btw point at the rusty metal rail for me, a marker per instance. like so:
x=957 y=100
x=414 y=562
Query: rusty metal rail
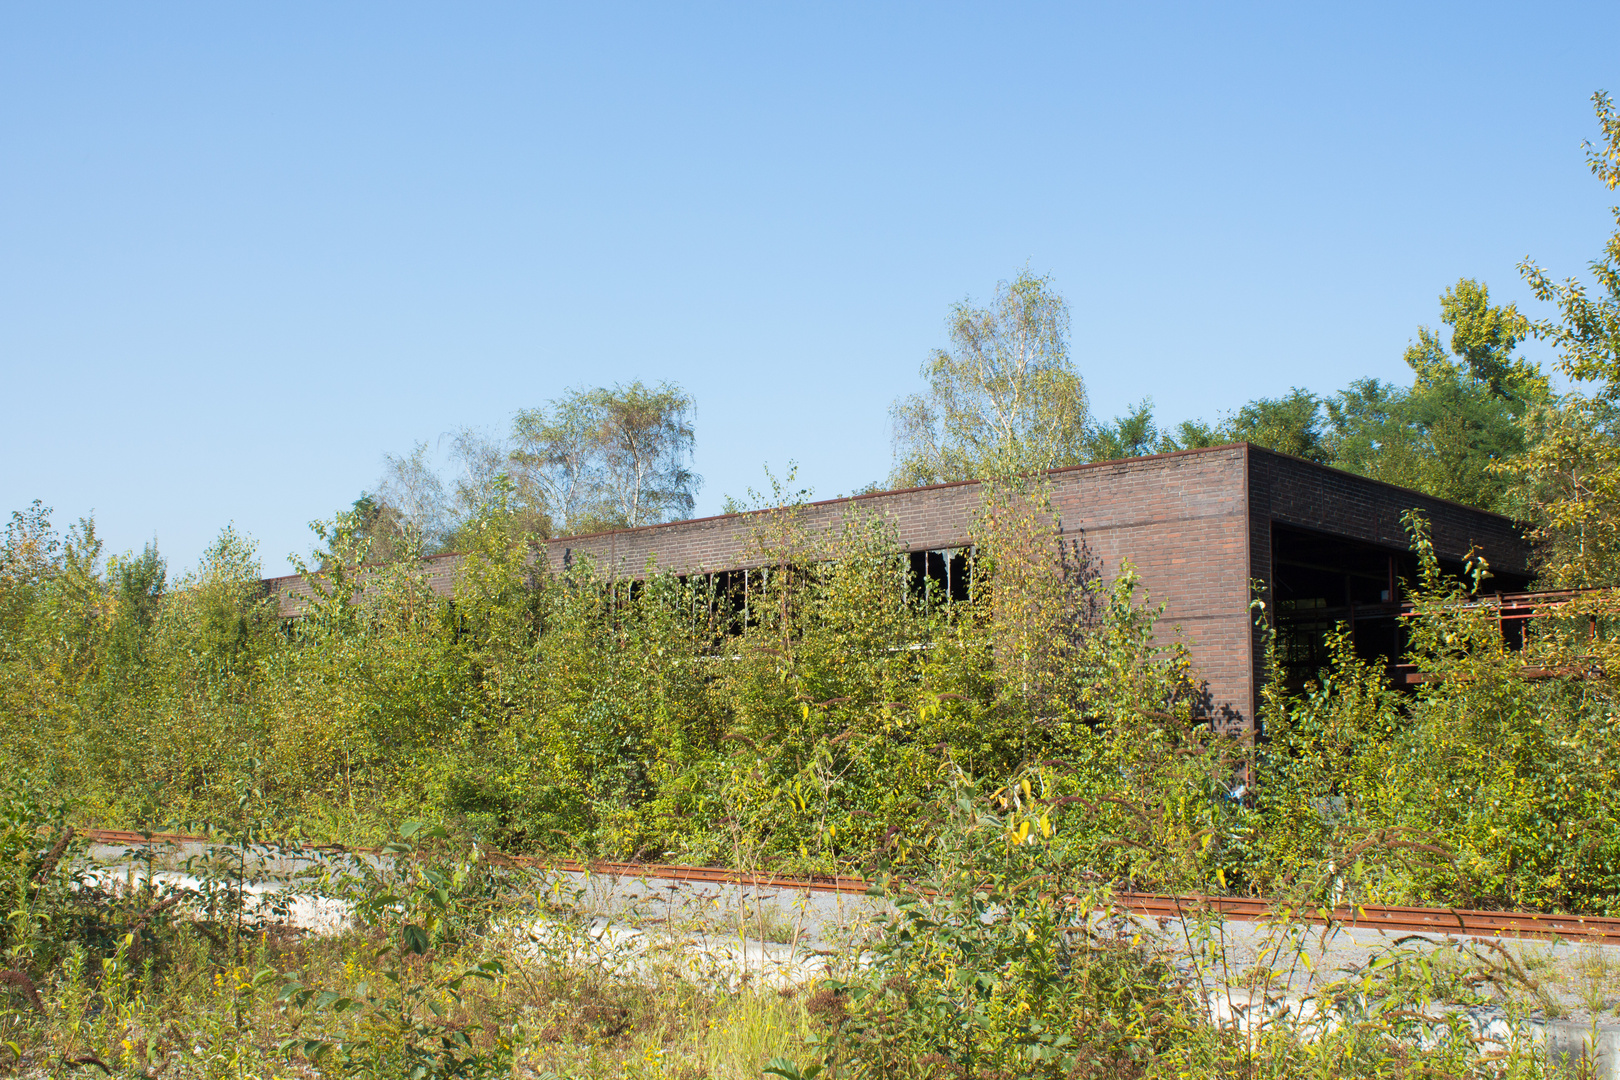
x=1455 y=922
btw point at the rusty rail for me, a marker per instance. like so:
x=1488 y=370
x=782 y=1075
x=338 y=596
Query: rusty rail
x=1455 y=922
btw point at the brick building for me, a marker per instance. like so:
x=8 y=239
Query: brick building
x=1199 y=526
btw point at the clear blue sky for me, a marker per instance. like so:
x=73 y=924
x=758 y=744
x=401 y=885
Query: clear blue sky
x=245 y=250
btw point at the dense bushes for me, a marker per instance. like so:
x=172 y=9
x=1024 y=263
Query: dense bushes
x=1485 y=789
x=809 y=724
x=1008 y=959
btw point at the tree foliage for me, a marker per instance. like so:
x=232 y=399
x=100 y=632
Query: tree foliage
x=608 y=458
x=592 y=459
x=806 y=716
x=1003 y=400
x=1134 y=434
x=1006 y=401
x=1567 y=482
x=1446 y=435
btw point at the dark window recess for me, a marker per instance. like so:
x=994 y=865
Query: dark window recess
x=941 y=575
x=722 y=598
x=1322 y=582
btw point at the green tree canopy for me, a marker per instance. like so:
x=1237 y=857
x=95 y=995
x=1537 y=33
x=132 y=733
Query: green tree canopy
x=1567 y=482
x=1289 y=425
x=608 y=458
x=1445 y=435
x=594 y=458
x=1133 y=435
x=1003 y=400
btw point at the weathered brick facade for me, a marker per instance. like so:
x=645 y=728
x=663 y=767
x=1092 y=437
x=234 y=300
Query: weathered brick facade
x=1196 y=524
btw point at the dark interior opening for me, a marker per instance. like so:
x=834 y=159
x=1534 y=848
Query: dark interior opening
x=1321 y=582
x=940 y=575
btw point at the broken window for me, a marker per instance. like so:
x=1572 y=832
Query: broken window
x=939 y=576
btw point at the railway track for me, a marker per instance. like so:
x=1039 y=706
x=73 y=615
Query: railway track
x=1456 y=922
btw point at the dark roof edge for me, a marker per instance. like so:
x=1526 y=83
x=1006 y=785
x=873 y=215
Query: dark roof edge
x=821 y=502
x=1248 y=448
x=894 y=491
x=1381 y=483
x=425 y=558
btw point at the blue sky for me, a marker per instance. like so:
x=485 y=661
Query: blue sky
x=246 y=250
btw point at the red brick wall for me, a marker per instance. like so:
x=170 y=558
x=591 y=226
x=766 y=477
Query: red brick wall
x=925 y=518
x=1179 y=519
x=1195 y=524
x=293 y=593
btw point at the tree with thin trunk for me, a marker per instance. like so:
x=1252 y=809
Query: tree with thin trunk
x=608 y=458
x=1003 y=400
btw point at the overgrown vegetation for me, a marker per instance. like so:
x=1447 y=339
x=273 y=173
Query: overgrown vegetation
x=1009 y=960
x=445 y=967
x=1001 y=957
x=995 y=760
x=805 y=722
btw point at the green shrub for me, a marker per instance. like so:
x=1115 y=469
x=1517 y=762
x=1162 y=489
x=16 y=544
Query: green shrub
x=808 y=718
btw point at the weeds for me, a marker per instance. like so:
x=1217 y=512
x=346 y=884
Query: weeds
x=1009 y=960
x=1005 y=958
x=1000 y=762
x=799 y=715
x=434 y=977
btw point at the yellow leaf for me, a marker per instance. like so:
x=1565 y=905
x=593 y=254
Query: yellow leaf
x=1220 y=876
x=1046 y=825
x=1023 y=832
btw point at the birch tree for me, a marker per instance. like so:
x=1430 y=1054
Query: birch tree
x=608 y=458
x=1003 y=400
